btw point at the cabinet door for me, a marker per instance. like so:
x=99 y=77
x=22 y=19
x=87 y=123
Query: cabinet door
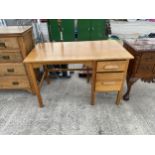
x=68 y=29
x=83 y=29
x=53 y=30
x=98 y=29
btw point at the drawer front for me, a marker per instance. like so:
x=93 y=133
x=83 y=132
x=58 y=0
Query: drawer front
x=10 y=57
x=148 y=58
x=14 y=82
x=12 y=69
x=111 y=66
x=109 y=81
x=9 y=43
x=145 y=70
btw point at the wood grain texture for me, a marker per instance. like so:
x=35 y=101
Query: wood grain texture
x=15 y=44
x=108 y=54
x=10 y=57
x=14 y=82
x=12 y=69
x=142 y=67
x=107 y=66
x=14 y=30
x=77 y=51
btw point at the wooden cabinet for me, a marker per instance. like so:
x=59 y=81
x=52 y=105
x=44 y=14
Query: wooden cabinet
x=15 y=44
x=143 y=66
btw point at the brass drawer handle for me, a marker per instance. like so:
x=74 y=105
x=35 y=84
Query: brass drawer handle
x=15 y=83
x=108 y=67
x=11 y=70
x=2 y=45
x=109 y=83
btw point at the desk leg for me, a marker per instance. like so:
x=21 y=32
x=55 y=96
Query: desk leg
x=34 y=82
x=119 y=97
x=120 y=92
x=93 y=93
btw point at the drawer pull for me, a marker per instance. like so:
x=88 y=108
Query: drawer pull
x=109 y=83
x=109 y=67
x=11 y=70
x=2 y=45
x=15 y=83
x=6 y=57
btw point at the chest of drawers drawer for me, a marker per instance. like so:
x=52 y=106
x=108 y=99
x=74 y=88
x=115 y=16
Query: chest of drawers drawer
x=9 y=43
x=109 y=81
x=148 y=57
x=107 y=66
x=14 y=82
x=10 y=56
x=12 y=69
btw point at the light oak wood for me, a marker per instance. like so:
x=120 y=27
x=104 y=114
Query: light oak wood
x=109 y=81
x=93 y=82
x=15 y=44
x=9 y=43
x=35 y=85
x=77 y=51
x=108 y=85
x=108 y=54
x=109 y=76
x=14 y=82
x=12 y=69
x=111 y=66
x=10 y=57
x=14 y=30
x=120 y=92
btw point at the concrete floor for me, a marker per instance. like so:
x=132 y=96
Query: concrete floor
x=67 y=104
x=68 y=111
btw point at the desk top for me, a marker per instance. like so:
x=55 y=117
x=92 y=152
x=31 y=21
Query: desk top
x=13 y=30
x=145 y=44
x=77 y=51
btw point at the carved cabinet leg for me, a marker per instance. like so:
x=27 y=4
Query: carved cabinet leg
x=130 y=82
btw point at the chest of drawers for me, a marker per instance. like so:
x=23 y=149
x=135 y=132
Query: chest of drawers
x=15 y=44
x=143 y=66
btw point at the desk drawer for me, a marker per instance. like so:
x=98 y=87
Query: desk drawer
x=10 y=57
x=9 y=43
x=109 y=81
x=12 y=69
x=14 y=82
x=111 y=66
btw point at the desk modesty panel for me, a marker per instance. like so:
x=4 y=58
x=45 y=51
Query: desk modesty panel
x=109 y=61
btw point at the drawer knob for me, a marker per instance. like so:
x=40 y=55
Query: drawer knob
x=15 y=83
x=108 y=67
x=11 y=70
x=2 y=45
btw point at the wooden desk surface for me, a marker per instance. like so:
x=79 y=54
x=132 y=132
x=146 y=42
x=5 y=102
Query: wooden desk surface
x=13 y=30
x=77 y=51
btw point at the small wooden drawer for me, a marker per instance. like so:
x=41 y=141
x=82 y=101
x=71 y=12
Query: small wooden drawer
x=14 y=82
x=109 y=81
x=111 y=66
x=12 y=69
x=9 y=43
x=10 y=57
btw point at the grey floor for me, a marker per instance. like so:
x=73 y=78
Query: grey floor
x=68 y=111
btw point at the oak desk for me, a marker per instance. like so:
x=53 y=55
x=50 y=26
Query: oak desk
x=108 y=58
